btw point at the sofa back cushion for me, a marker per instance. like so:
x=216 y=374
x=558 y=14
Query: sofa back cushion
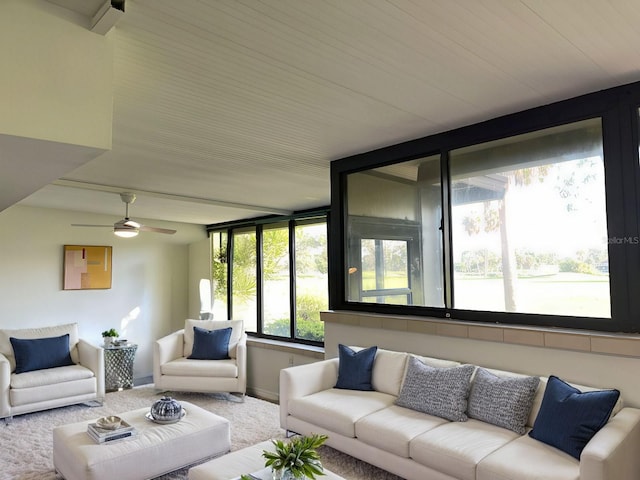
x=237 y=329
x=39 y=332
x=388 y=370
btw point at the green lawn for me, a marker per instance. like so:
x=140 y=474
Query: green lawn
x=572 y=294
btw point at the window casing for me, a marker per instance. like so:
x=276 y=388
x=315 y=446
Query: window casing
x=524 y=219
x=273 y=274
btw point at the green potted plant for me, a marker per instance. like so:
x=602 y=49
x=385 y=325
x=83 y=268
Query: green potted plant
x=108 y=336
x=296 y=458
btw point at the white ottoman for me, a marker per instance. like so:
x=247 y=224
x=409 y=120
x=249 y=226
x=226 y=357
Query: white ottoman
x=234 y=464
x=157 y=449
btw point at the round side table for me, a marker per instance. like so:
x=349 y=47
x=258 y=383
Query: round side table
x=118 y=366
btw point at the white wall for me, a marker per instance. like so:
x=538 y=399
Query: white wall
x=57 y=76
x=150 y=285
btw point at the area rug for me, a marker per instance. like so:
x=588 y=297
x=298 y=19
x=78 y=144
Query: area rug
x=26 y=442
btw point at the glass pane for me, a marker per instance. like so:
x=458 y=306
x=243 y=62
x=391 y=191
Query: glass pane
x=219 y=274
x=529 y=224
x=244 y=279
x=276 y=280
x=394 y=240
x=312 y=281
x=384 y=264
x=391 y=299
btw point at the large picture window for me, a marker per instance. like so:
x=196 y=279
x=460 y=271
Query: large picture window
x=272 y=274
x=529 y=224
x=529 y=219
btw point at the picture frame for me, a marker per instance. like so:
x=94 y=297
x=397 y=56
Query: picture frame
x=87 y=267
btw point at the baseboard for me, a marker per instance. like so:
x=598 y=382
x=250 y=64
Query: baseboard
x=143 y=381
x=263 y=394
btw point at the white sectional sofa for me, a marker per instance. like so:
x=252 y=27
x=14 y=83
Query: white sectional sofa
x=82 y=380
x=370 y=425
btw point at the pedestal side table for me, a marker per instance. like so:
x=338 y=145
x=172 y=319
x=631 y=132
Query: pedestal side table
x=118 y=366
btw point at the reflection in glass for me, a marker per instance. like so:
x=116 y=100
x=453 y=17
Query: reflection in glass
x=394 y=244
x=529 y=227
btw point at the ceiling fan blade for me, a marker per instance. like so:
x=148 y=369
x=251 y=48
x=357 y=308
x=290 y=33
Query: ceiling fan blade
x=144 y=228
x=86 y=225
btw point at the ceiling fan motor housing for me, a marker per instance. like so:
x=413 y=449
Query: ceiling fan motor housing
x=128 y=197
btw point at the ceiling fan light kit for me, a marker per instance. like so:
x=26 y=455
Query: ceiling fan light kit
x=125 y=232
x=127 y=228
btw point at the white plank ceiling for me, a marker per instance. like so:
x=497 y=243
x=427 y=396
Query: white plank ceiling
x=228 y=109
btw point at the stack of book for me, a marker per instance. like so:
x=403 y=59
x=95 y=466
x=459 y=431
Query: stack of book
x=103 y=435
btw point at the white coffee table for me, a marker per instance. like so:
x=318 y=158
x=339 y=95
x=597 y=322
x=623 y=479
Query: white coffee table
x=156 y=449
x=234 y=464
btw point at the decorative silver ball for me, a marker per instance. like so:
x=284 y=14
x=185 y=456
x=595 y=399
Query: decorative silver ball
x=166 y=409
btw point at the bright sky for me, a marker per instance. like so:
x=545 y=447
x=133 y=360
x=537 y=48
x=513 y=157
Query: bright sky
x=539 y=217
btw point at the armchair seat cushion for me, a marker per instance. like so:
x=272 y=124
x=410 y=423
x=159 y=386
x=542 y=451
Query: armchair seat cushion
x=50 y=376
x=200 y=368
x=81 y=390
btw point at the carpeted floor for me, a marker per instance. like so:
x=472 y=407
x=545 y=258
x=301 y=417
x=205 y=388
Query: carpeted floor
x=26 y=443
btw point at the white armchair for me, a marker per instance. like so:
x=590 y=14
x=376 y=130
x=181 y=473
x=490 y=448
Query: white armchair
x=47 y=388
x=174 y=371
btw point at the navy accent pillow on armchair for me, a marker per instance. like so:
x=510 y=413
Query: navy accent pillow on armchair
x=355 y=368
x=210 y=344
x=39 y=353
x=569 y=418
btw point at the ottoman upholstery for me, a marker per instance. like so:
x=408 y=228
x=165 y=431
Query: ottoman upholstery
x=157 y=449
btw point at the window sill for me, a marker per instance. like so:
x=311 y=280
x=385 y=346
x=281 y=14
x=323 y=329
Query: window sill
x=287 y=347
x=627 y=345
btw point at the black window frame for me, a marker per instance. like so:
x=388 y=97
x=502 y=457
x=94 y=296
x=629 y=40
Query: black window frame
x=321 y=214
x=618 y=109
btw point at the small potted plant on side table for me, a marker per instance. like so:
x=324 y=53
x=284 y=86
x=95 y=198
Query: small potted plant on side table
x=295 y=459
x=108 y=336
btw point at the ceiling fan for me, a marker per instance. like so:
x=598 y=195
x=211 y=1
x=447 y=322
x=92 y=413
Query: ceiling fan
x=126 y=227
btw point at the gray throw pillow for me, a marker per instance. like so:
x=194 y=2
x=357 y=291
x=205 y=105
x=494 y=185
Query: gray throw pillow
x=441 y=392
x=502 y=401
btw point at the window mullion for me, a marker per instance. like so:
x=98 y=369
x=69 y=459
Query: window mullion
x=445 y=227
x=259 y=279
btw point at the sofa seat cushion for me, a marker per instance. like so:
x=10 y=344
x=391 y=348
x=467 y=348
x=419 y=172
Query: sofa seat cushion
x=392 y=428
x=200 y=368
x=49 y=376
x=457 y=448
x=528 y=459
x=338 y=410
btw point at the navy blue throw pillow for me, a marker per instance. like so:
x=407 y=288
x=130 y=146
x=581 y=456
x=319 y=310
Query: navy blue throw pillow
x=38 y=353
x=210 y=344
x=569 y=418
x=355 y=368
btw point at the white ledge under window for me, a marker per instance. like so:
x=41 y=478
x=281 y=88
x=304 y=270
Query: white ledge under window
x=287 y=347
x=621 y=344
